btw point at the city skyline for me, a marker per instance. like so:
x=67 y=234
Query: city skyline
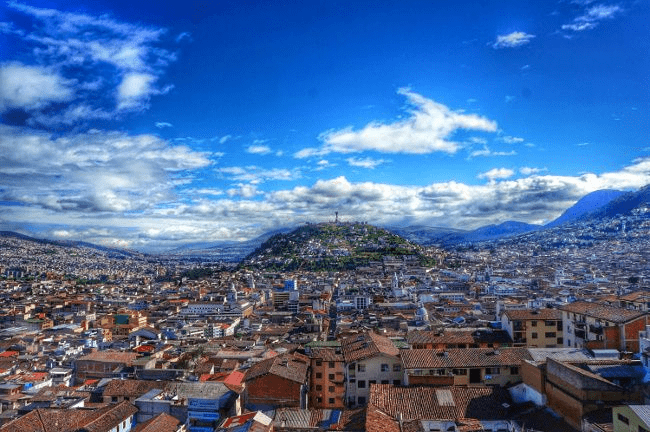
x=154 y=125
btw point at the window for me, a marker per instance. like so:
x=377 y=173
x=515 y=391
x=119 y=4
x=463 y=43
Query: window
x=622 y=418
x=384 y=367
x=397 y=367
x=319 y=399
x=514 y=370
x=330 y=376
x=319 y=375
x=361 y=384
x=361 y=400
x=549 y=323
x=361 y=367
x=397 y=382
x=319 y=387
x=459 y=371
x=492 y=371
x=550 y=334
x=319 y=362
x=351 y=366
x=560 y=341
x=533 y=323
x=331 y=401
x=332 y=389
x=331 y=365
x=533 y=335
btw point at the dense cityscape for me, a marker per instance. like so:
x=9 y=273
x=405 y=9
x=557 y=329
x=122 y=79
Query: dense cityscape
x=334 y=326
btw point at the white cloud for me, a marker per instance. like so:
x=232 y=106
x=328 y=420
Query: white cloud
x=533 y=199
x=225 y=139
x=162 y=125
x=426 y=130
x=255 y=174
x=512 y=40
x=486 y=152
x=32 y=87
x=368 y=162
x=260 y=149
x=592 y=16
x=91 y=172
x=497 y=174
x=109 y=66
x=531 y=170
x=511 y=139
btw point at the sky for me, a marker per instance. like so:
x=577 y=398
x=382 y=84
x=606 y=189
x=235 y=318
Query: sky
x=151 y=124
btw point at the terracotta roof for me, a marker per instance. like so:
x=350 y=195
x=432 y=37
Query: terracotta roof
x=534 y=314
x=366 y=345
x=131 y=388
x=608 y=313
x=110 y=357
x=444 y=403
x=163 y=422
x=290 y=366
x=378 y=421
x=463 y=357
x=327 y=354
x=55 y=420
x=636 y=296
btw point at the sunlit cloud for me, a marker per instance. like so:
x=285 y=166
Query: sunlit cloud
x=497 y=174
x=368 y=162
x=427 y=129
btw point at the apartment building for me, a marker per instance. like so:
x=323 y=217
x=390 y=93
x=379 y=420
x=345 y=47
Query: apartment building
x=536 y=328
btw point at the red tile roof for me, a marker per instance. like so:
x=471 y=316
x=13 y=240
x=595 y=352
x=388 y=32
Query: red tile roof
x=463 y=357
x=600 y=311
x=367 y=345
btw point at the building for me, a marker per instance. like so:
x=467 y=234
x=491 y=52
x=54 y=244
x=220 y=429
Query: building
x=103 y=364
x=464 y=366
x=536 y=328
x=280 y=381
x=369 y=359
x=598 y=326
x=458 y=338
x=327 y=378
x=628 y=418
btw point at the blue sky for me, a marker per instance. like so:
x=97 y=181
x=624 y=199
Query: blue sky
x=151 y=124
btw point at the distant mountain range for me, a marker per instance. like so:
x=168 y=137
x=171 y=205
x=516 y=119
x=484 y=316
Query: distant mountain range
x=595 y=206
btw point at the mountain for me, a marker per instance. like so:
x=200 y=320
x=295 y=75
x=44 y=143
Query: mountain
x=504 y=229
x=624 y=204
x=228 y=251
x=110 y=251
x=588 y=204
x=449 y=237
x=332 y=246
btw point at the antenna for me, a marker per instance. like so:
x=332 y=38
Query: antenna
x=336 y=220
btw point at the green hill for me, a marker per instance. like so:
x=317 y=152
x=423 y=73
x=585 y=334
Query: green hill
x=332 y=246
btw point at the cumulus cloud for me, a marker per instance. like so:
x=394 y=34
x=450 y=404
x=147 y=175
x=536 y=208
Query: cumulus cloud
x=32 y=87
x=162 y=125
x=428 y=129
x=368 y=162
x=109 y=66
x=497 y=174
x=512 y=40
x=91 y=172
x=244 y=211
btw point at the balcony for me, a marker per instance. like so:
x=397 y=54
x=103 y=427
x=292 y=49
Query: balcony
x=596 y=329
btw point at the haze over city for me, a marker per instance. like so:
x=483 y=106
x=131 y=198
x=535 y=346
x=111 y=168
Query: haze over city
x=148 y=125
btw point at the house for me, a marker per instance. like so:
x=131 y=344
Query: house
x=631 y=418
x=599 y=326
x=476 y=408
x=574 y=390
x=463 y=366
x=112 y=418
x=458 y=338
x=369 y=359
x=327 y=378
x=103 y=364
x=536 y=328
x=280 y=381
x=161 y=423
